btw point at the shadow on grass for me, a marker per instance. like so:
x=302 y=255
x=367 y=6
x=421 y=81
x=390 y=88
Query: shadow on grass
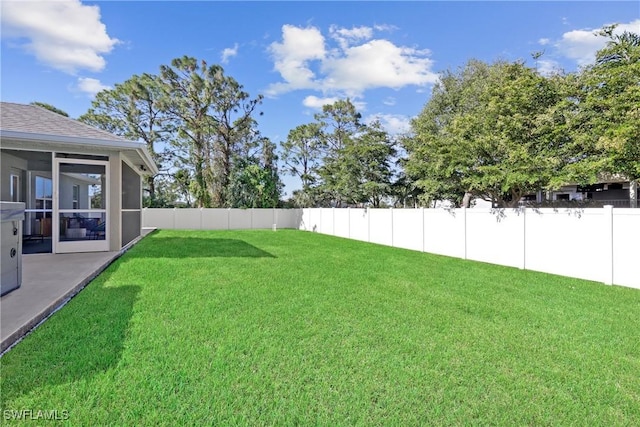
x=83 y=339
x=196 y=247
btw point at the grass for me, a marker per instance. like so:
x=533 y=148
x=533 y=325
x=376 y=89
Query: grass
x=295 y=328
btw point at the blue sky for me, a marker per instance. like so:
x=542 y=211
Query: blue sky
x=384 y=55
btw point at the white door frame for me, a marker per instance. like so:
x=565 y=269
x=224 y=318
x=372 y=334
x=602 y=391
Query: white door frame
x=83 y=245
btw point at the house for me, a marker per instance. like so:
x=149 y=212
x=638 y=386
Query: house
x=610 y=190
x=82 y=186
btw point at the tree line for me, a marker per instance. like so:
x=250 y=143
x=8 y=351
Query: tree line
x=496 y=131
x=501 y=131
x=200 y=128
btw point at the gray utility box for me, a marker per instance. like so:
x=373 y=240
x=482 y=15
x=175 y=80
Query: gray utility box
x=11 y=217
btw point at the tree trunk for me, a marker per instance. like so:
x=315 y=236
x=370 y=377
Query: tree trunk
x=151 y=184
x=466 y=200
x=633 y=193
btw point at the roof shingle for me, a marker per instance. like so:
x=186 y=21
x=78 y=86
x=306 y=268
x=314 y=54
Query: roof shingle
x=38 y=120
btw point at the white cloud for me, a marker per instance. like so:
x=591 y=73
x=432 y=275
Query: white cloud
x=64 y=34
x=544 y=41
x=356 y=64
x=395 y=124
x=346 y=37
x=229 y=53
x=91 y=86
x=390 y=101
x=385 y=27
x=377 y=63
x=317 y=103
x=582 y=45
x=291 y=57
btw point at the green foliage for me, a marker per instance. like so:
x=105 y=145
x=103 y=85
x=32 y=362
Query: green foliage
x=481 y=134
x=365 y=166
x=606 y=121
x=339 y=123
x=135 y=110
x=301 y=155
x=214 y=122
x=283 y=328
x=196 y=123
x=50 y=108
x=404 y=190
x=500 y=131
x=339 y=159
x=254 y=181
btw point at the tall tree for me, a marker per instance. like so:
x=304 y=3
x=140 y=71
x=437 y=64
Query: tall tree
x=365 y=173
x=135 y=110
x=606 y=119
x=479 y=135
x=254 y=182
x=215 y=121
x=339 y=123
x=301 y=155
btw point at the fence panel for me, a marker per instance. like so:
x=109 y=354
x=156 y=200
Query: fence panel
x=381 y=226
x=341 y=222
x=407 y=229
x=496 y=236
x=359 y=224
x=326 y=224
x=444 y=232
x=568 y=242
x=315 y=218
x=239 y=219
x=187 y=219
x=305 y=224
x=289 y=218
x=626 y=247
x=262 y=218
x=158 y=217
x=215 y=219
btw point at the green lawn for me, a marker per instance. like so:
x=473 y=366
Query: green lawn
x=295 y=328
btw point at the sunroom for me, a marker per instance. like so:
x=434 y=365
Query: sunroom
x=81 y=186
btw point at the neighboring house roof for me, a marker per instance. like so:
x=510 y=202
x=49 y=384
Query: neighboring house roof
x=31 y=123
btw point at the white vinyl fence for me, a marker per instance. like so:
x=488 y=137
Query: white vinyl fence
x=220 y=219
x=600 y=244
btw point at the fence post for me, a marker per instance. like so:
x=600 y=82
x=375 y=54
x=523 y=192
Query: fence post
x=391 y=226
x=524 y=238
x=608 y=244
x=349 y=222
x=422 y=217
x=275 y=219
x=333 y=221
x=174 y=218
x=368 y=210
